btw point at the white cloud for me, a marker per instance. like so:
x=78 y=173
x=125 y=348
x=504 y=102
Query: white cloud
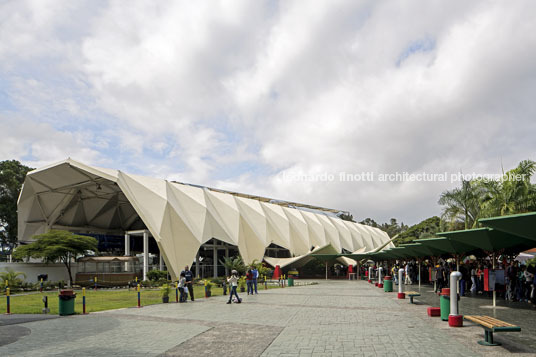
x=232 y=94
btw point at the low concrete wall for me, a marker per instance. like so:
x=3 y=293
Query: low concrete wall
x=55 y=272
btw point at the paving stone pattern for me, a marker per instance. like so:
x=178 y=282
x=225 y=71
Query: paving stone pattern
x=333 y=318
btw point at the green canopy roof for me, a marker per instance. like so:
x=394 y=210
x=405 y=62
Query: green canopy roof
x=422 y=250
x=523 y=225
x=447 y=245
x=490 y=240
x=327 y=257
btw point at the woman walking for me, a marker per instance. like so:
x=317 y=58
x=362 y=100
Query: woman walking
x=233 y=281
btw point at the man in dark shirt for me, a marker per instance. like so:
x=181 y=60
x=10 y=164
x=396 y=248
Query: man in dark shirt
x=189 y=281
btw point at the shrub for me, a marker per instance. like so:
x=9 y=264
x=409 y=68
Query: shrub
x=155 y=275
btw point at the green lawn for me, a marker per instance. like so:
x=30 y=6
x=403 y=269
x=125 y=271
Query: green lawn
x=100 y=300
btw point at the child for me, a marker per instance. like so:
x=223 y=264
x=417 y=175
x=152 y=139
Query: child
x=233 y=281
x=182 y=287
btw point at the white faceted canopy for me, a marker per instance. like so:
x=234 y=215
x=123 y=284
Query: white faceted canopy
x=74 y=196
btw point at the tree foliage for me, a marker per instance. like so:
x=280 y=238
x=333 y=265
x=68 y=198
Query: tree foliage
x=424 y=229
x=12 y=174
x=57 y=245
x=480 y=198
x=12 y=277
x=263 y=271
x=392 y=227
x=346 y=216
x=235 y=263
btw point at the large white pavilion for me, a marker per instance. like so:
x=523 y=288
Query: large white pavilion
x=180 y=217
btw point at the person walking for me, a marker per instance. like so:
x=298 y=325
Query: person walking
x=528 y=284
x=189 y=281
x=473 y=280
x=255 y=273
x=408 y=274
x=182 y=288
x=249 y=281
x=233 y=282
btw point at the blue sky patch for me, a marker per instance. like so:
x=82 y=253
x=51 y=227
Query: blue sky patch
x=426 y=44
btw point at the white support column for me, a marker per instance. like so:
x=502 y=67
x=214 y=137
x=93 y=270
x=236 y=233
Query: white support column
x=145 y=254
x=215 y=258
x=127 y=249
x=161 y=262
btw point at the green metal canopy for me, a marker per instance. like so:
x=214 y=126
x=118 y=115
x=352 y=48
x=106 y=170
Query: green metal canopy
x=422 y=250
x=402 y=252
x=523 y=225
x=447 y=245
x=490 y=240
x=327 y=257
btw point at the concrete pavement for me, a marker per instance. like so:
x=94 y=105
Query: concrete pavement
x=333 y=318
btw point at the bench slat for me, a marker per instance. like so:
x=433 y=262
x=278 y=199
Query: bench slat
x=492 y=323
x=496 y=322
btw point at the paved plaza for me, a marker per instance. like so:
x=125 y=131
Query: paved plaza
x=332 y=318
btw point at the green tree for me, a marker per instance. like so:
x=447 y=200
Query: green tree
x=57 y=245
x=345 y=216
x=12 y=174
x=260 y=267
x=462 y=204
x=370 y=222
x=513 y=194
x=12 y=277
x=234 y=263
x=480 y=198
x=424 y=229
x=393 y=227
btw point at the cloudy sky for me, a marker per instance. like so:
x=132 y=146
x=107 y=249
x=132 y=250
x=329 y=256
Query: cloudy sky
x=272 y=98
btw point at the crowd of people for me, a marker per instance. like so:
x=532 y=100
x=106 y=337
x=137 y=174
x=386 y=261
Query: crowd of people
x=514 y=281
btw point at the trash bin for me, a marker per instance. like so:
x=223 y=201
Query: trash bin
x=444 y=304
x=66 y=302
x=388 y=284
x=290 y=280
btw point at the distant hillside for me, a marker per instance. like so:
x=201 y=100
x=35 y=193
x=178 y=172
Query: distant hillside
x=425 y=229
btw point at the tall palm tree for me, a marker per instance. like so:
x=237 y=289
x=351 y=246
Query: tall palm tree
x=513 y=194
x=462 y=204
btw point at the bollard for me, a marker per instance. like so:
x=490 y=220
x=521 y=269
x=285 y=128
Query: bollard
x=401 y=294
x=380 y=282
x=84 y=301
x=370 y=274
x=176 y=292
x=455 y=320
x=95 y=283
x=8 y=308
x=45 y=310
x=139 y=296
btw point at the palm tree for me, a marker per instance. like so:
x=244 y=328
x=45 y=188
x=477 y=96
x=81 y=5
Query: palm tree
x=462 y=204
x=513 y=194
x=234 y=263
x=12 y=277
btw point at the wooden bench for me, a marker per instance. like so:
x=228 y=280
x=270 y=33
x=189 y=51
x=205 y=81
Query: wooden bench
x=490 y=326
x=412 y=294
